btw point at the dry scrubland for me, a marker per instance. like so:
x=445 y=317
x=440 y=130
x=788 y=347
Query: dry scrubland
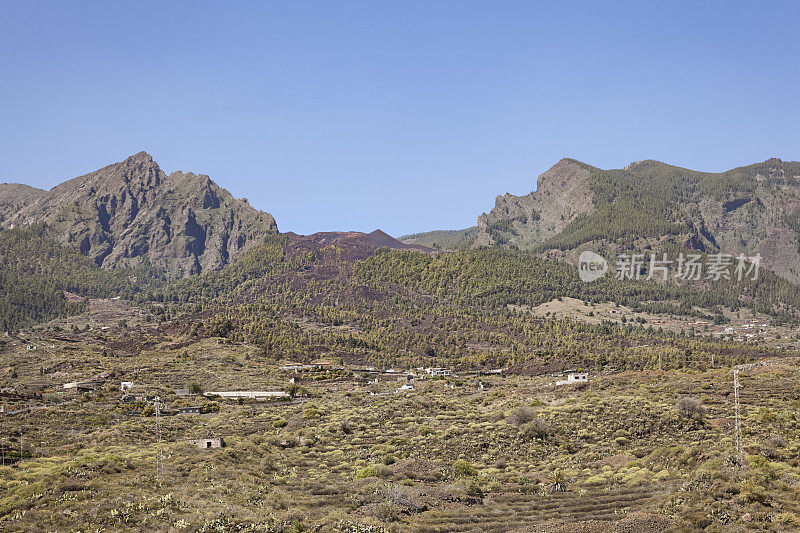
x=616 y=455
x=636 y=450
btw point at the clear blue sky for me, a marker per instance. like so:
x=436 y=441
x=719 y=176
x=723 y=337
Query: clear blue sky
x=406 y=116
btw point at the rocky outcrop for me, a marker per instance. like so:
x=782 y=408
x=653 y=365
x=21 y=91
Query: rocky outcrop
x=132 y=214
x=14 y=197
x=562 y=193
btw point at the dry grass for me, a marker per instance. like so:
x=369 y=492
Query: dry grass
x=438 y=459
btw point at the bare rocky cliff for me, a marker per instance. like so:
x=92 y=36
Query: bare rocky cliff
x=14 y=197
x=562 y=193
x=132 y=214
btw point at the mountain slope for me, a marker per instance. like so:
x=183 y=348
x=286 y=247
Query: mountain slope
x=356 y=239
x=131 y=214
x=14 y=197
x=447 y=239
x=752 y=209
x=35 y=272
x=563 y=193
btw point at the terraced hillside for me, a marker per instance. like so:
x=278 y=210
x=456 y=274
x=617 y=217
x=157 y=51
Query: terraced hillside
x=469 y=452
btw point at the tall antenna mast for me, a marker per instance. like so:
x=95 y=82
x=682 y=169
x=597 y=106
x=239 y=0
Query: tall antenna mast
x=739 y=454
x=159 y=454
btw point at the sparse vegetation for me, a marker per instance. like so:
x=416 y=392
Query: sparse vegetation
x=691 y=408
x=492 y=446
x=520 y=452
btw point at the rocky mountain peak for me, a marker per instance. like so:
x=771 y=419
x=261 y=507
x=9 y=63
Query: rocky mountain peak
x=567 y=172
x=562 y=193
x=141 y=156
x=133 y=214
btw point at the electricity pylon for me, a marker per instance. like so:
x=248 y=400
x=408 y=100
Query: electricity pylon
x=159 y=453
x=739 y=454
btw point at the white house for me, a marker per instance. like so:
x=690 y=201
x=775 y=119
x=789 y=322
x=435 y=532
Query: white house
x=255 y=395
x=574 y=377
x=408 y=387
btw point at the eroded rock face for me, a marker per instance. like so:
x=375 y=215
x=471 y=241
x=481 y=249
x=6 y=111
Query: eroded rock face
x=132 y=214
x=15 y=196
x=562 y=193
x=748 y=210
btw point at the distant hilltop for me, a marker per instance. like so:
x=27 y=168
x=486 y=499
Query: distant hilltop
x=752 y=210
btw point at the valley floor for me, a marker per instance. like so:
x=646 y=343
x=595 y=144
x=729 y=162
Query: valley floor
x=350 y=454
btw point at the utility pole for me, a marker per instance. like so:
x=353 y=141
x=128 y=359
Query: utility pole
x=159 y=454
x=739 y=454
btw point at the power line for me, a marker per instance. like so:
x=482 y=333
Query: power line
x=159 y=453
x=739 y=454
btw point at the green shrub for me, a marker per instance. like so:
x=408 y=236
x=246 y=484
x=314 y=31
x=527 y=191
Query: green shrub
x=536 y=429
x=521 y=416
x=462 y=468
x=691 y=408
x=367 y=471
x=595 y=480
x=311 y=411
x=789 y=518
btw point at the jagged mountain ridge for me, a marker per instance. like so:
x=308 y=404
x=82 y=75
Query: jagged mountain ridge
x=751 y=209
x=132 y=214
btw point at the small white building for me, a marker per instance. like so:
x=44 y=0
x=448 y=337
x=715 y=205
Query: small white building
x=92 y=384
x=574 y=377
x=438 y=371
x=125 y=385
x=408 y=387
x=254 y=395
x=206 y=444
x=315 y=366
